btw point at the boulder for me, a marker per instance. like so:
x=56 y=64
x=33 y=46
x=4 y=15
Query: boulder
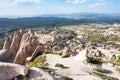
x=9 y=71
x=5 y=56
x=39 y=74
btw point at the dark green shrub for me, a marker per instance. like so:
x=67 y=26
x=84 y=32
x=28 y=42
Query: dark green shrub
x=63 y=77
x=59 y=65
x=64 y=56
x=49 y=70
x=118 y=59
x=58 y=53
x=99 y=69
x=66 y=77
x=94 y=60
x=103 y=76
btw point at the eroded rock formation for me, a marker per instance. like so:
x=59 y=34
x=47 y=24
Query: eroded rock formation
x=27 y=46
x=22 y=44
x=35 y=53
x=8 y=42
x=16 y=42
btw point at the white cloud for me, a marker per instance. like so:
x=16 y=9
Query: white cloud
x=13 y=2
x=26 y=1
x=99 y=3
x=79 y=1
x=68 y=1
x=75 y=1
x=5 y=3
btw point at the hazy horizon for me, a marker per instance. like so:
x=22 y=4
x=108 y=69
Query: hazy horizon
x=32 y=8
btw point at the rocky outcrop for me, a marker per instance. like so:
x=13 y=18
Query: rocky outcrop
x=8 y=42
x=9 y=71
x=44 y=38
x=93 y=52
x=27 y=46
x=16 y=42
x=22 y=44
x=5 y=56
x=12 y=44
x=67 y=52
x=39 y=74
x=38 y=51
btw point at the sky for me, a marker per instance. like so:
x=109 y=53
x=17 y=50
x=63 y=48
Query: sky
x=27 y=8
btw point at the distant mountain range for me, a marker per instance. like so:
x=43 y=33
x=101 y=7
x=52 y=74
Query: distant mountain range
x=84 y=16
x=56 y=20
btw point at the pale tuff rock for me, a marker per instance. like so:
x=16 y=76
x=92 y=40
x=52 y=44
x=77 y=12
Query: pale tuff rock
x=39 y=74
x=8 y=42
x=9 y=71
x=67 y=52
x=22 y=44
x=4 y=56
x=111 y=31
x=37 y=51
x=27 y=47
x=44 y=39
x=12 y=44
x=16 y=42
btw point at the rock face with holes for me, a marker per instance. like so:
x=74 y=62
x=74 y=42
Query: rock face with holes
x=9 y=71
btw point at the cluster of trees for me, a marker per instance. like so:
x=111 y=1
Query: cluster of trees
x=49 y=22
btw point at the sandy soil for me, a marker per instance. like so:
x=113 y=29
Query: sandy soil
x=75 y=68
x=111 y=71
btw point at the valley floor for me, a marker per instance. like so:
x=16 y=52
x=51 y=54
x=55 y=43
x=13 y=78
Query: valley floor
x=76 y=69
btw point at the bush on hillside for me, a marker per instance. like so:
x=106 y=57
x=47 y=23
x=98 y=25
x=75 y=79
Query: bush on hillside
x=37 y=62
x=59 y=65
x=94 y=60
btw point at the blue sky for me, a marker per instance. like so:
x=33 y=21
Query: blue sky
x=22 y=8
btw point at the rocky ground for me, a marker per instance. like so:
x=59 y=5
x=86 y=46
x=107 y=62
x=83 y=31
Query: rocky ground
x=61 y=54
x=73 y=68
x=76 y=68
